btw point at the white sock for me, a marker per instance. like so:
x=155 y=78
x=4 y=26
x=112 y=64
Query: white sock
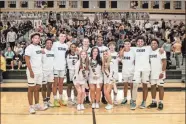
x=115 y=97
x=154 y=100
x=60 y=96
x=134 y=91
x=69 y=99
x=55 y=97
x=75 y=98
x=125 y=98
x=161 y=101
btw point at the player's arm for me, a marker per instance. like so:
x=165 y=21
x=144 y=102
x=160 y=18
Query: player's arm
x=28 y=51
x=164 y=65
x=27 y=59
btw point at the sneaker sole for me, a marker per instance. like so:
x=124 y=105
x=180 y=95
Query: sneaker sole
x=133 y=108
x=141 y=107
x=32 y=112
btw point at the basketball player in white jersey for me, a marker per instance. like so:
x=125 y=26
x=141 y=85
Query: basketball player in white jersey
x=158 y=67
x=85 y=46
x=114 y=57
x=95 y=77
x=33 y=58
x=48 y=75
x=59 y=48
x=71 y=58
x=141 y=71
x=102 y=48
x=100 y=45
x=127 y=59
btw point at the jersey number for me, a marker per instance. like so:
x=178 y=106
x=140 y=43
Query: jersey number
x=73 y=62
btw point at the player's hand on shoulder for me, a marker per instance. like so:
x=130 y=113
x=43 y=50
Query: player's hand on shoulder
x=42 y=51
x=161 y=50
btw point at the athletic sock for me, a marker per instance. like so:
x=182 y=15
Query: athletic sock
x=115 y=97
x=55 y=97
x=153 y=100
x=69 y=99
x=160 y=101
x=60 y=96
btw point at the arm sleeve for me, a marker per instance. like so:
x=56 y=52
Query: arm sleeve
x=163 y=56
x=28 y=51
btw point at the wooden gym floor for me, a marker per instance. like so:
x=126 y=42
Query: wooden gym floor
x=14 y=110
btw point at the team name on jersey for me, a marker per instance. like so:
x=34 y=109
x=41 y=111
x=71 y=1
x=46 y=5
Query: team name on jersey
x=126 y=57
x=140 y=50
x=61 y=48
x=114 y=57
x=73 y=57
x=49 y=55
x=153 y=56
x=38 y=52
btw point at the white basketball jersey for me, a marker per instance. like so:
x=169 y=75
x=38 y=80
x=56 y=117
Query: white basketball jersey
x=88 y=51
x=59 y=55
x=128 y=63
x=71 y=61
x=156 y=63
x=142 y=58
x=48 y=60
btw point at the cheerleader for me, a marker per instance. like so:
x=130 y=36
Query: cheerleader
x=95 y=77
x=80 y=78
x=109 y=73
x=114 y=57
x=86 y=47
x=71 y=58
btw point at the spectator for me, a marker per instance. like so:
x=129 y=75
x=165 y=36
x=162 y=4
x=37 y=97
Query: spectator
x=183 y=50
x=2 y=67
x=120 y=41
x=177 y=51
x=148 y=26
x=9 y=54
x=16 y=61
x=18 y=49
x=167 y=47
x=11 y=38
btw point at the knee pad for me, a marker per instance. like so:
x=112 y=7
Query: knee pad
x=135 y=86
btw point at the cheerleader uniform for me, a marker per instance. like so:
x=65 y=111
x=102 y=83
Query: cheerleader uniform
x=110 y=74
x=95 y=71
x=81 y=75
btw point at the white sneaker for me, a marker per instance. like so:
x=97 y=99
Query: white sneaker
x=37 y=107
x=93 y=105
x=32 y=111
x=50 y=104
x=78 y=107
x=97 y=105
x=45 y=105
x=82 y=107
x=75 y=101
x=108 y=107
x=70 y=102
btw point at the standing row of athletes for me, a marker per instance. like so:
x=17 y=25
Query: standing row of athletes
x=93 y=69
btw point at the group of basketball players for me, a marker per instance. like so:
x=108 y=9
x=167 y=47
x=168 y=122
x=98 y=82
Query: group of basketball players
x=94 y=70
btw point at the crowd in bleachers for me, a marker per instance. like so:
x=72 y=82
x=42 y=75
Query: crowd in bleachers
x=171 y=34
